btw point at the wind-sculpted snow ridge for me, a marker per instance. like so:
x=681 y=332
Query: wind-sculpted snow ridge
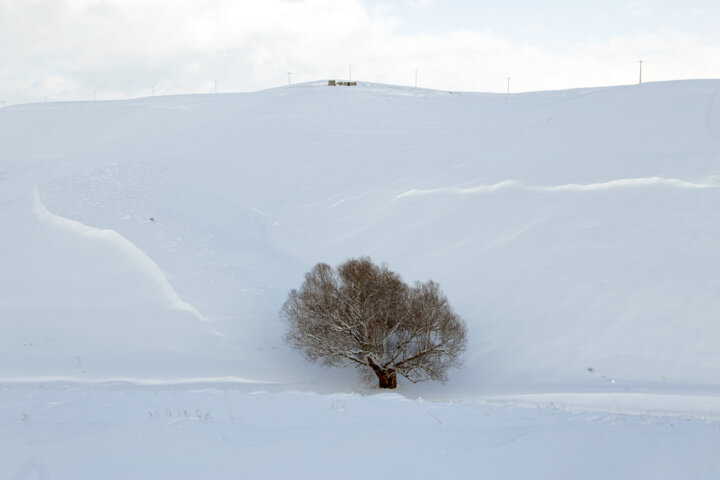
x=138 y=381
x=117 y=241
x=568 y=187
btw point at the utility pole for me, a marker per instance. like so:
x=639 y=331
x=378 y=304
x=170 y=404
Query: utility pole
x=641 y=62
x=289 y=81
x=350 y=73
x=416 y=78
x=507 y=99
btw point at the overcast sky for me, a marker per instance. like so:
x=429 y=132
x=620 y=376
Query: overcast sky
x=68 y=49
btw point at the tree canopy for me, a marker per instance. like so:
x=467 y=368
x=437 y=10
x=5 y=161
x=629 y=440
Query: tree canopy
x=364 y=315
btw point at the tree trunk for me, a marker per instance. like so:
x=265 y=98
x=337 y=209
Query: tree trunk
x=386 y=376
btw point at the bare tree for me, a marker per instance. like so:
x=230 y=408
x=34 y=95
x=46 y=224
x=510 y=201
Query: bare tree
x=364 y=315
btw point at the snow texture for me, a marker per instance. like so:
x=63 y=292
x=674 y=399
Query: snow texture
x=146 y=247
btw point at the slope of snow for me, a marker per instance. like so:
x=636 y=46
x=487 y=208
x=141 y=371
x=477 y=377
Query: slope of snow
x=154 y=241
x=573 y=230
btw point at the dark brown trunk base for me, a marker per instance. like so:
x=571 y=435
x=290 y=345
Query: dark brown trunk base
x=386 y=376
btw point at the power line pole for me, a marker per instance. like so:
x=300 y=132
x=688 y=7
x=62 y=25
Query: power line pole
x=641 y=62
x=507 y=99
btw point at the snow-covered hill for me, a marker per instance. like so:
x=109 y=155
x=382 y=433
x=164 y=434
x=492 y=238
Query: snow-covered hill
x=153 y=241
x=573 y=230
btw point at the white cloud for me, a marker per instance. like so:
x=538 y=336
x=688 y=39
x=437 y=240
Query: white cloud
x=419 y=3
x=638 y=8
x=66 y=49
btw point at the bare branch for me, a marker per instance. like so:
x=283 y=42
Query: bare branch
x=366 y=315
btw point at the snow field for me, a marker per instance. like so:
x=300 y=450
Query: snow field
x=146 y=247
x=63 y=431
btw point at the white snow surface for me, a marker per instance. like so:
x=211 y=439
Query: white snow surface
x=146 y=247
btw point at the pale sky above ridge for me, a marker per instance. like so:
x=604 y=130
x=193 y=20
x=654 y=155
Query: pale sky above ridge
x=108 y=49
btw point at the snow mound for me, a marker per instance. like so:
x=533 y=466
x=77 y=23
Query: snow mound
x=88 y=239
